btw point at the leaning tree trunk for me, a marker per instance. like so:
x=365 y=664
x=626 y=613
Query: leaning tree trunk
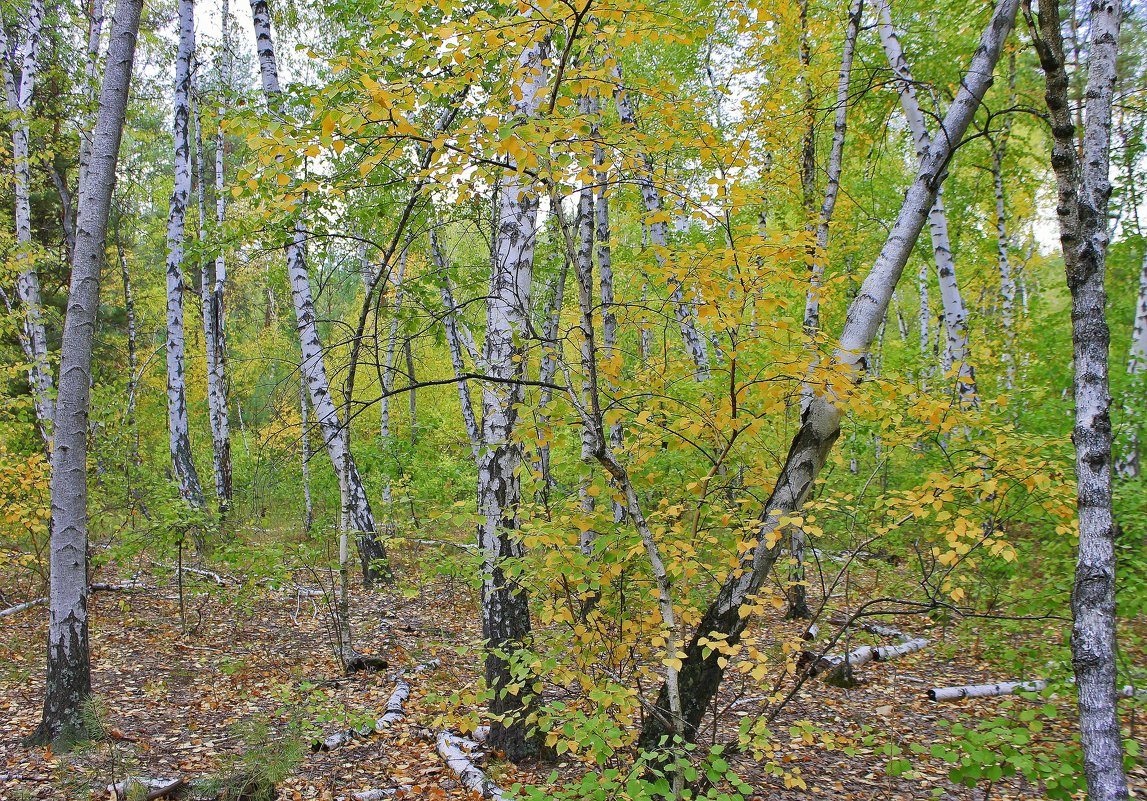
x=1128 y=465
x=355 y=502
x=659 y=240
x=505 y=603
x=1083 y=188
x=955 y=312
x=178 y=436
x=69 y=671
x=725 y=620
x=33 y=338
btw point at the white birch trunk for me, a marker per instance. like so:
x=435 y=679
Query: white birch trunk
x=659 y=241
x=955 y=312
x=1128 y=464
x=1007 y=279
x=214 y=318
x=455 y=342
x=305 y=443
x=355 y=503
x=820 y=425
x=178 y=436
x=388 y=374
x=19 y=83
x=505 y=607
x=69 y=675
x=1084 y=188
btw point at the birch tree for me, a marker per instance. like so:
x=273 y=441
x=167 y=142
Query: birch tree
x=724 y=620
x=69 y=669
x=19 y=75
x=798 y=600
x=505 y=604
x=1128 y=466
x=213 y=284
x=658 y=227
x=1084 y=187
x=955 y=312
x=356 y=510
x=178 y=435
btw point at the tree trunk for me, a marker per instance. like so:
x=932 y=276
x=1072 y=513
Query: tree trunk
x=551 y=353
x=955 y=313
x=214 y=320
x=702 y=672
x=179 y=439
x=505 y=604
x=798 y=592
x=1128 y=465
x=1083 y=190
x=454 y=339
x=359 y=516
x=659 y=241
x=388 y=380
x=69 y=678
x=33 y=338
x=305 y=444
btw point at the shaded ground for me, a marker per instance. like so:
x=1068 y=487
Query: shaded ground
x=188 y=704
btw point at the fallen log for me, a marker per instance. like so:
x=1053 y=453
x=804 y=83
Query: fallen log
x=455 y=752
x=12 y=610
x=395 y=706
x=1011 y=687
x=395 y=711
x=879 y=629
x=153 y=789
x=884 y=653
x=97 y=586
x=380 y=795
x=985 y=690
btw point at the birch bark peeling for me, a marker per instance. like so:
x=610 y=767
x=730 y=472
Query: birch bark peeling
x=69 y=671
x=1084 y=187
x=505 y=603
x=356 y=505
x=820 y=423
x=178 y=435
x=955 y=312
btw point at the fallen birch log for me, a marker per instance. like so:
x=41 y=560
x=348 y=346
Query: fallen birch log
x=456 y=753
x=884 y=653
x=153 y=789
x=12 y=610
x=879 y=629
x=985 y=690
x=98 y=586
x=395 y=711
x=379 y=795
x=1009 y=688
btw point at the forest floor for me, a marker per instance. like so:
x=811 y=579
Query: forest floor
x=175 y=703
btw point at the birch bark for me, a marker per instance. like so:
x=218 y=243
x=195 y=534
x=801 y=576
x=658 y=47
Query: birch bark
x=214 y=318
x=701 y=672
x=69 y=671
x=505 y=604
x=1128 y=466
x=356 y=505
x=955 y=312
x=798 y=594
x=178 y=436
x=659 y=240
x=1084 y=187
x=454 y=339
x=19 y=83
